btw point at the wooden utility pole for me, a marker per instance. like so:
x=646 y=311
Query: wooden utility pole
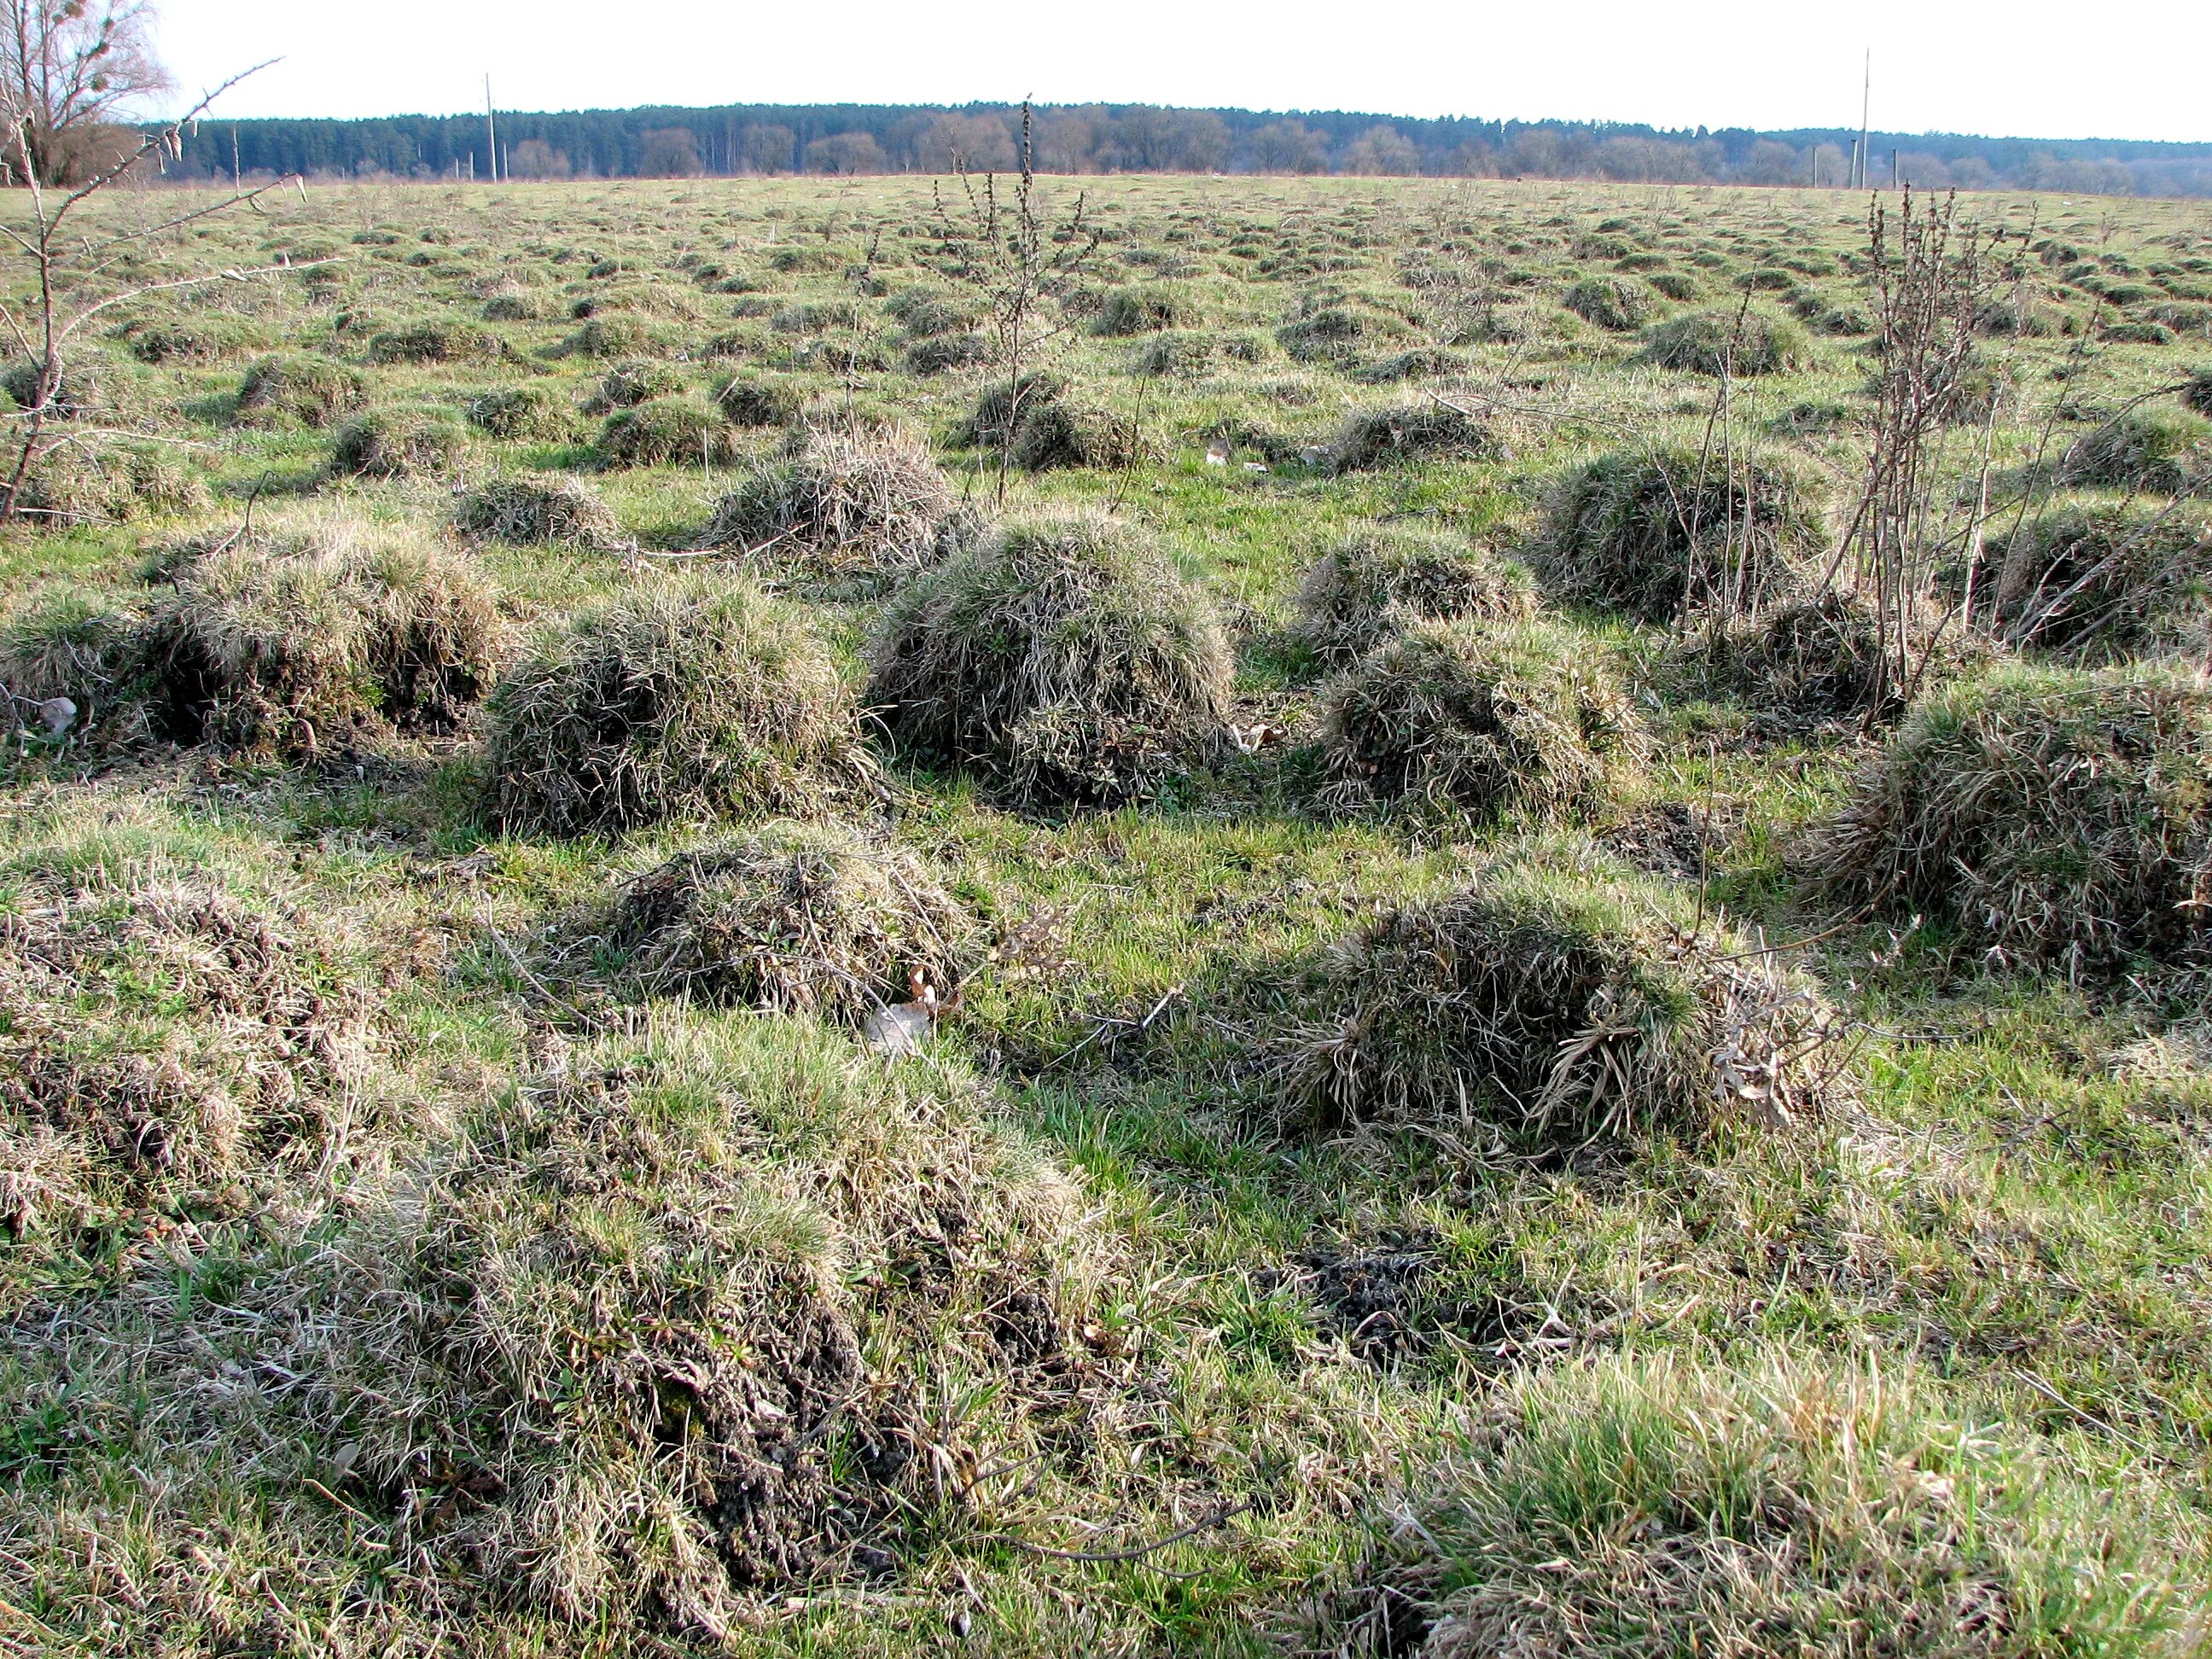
x=491 y=131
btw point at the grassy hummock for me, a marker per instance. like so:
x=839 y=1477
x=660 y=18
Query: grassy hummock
x=1064 y=659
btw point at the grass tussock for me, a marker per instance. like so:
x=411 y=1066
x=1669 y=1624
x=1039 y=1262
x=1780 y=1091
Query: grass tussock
x=1815 y=660
x=1428 y=430
x=866 y=501
x=1063 y=659
x=81 y=482
x=531 y=509
x=679 y=431
x=673 y=1335
x=2089 y=581
x=396 y=443
x=1619 y=304
x=1640 y=1508
x=685 y=700
x=1377 y=580
x=1041 y=429
x=1653 y=532
x=1721 y=342
x=170 y=1045
x=793 y=920
x=1548 y=1005
x=528 y=413
x=1482 y=719
x=2054 y=818
x=313 y=391
x=314 y=635
x=75 y=645
x=2159 y=451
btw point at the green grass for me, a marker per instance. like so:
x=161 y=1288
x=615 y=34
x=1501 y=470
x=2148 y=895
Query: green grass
x=1280 y=1339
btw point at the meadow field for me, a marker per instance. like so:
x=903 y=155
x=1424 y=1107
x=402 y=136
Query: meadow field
x=752 y=916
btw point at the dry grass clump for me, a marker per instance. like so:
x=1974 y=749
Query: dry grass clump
x=81 y=482
x=525 y=412
x=1646 y=1507
x=168 y=1044
x=2159 y=450
x=81 y=391
x=869 y=500
x=1812 y=660
x=1043 y=429
x=74 y=644
x=761 y=400
x=1714 y=342
x=1065 y=434
x=682 y=700
x=2054 y=817
x=1376 y=578
x=628 y=384
x=302 y=636
x=1126 y=310
x=434 y=340
x=539 y=508
x=680 y=431
x=1653 y=532
x=667 y=1346
x=2091 y=581
x=1430 y=430
x=1616 y=303
x=313 y=391
x=207 y=339
x=396 y=443
x=2197 y=391
x=1480 y=719
x=793 y=920
x=1064 y=659
x=1556 y=1004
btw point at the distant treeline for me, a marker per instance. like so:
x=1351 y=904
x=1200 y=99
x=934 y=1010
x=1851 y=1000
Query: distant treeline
x=852 y=138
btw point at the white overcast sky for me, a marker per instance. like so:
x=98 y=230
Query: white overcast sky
x=2034 y=67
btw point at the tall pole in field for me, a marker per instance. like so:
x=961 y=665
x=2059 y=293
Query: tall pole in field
x=1866 y=106
x=491 y=131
